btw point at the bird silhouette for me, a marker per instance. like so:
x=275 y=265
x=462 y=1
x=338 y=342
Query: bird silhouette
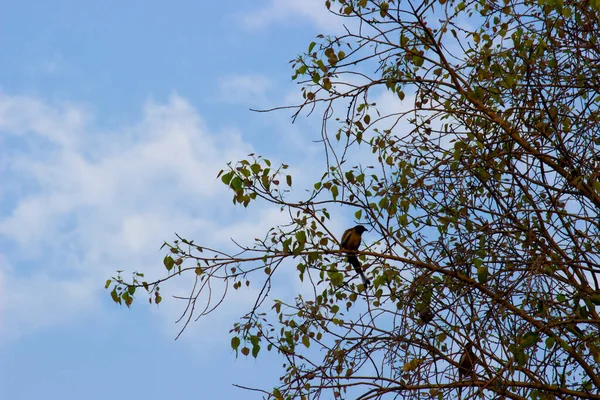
x=350 y=243
x=466 y=364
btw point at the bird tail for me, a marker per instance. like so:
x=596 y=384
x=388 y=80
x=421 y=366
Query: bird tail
x=353 y=260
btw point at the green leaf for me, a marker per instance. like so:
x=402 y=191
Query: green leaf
x=288 y=180
x=336 y=278
x=334 y=192
x=482 y=274
x=403 y=40
x=529 y=339
x=301 y=236
x=107 y=284
x=226 y=178
x=235 y=343
x=306 y=341
x=255 y=168
x=127 y=298
x=383 y=9
x=115 y=296
x=255 y=350
x=311 y=46
x=418 y=60
x=236 y=183
x=169 y=262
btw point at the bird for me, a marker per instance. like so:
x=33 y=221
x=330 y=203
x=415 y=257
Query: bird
x=350 y=243
x=426 y=314
x=466 y=364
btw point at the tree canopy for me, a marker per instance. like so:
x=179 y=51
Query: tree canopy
x=481 y=192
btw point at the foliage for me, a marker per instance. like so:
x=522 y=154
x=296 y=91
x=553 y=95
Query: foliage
x=484 y=211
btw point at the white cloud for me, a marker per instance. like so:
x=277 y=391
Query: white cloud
x=96 y=201
x=250 y=88
x=286 y=11
x=85 y=202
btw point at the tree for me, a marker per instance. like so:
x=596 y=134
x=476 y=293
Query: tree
x=484 y=211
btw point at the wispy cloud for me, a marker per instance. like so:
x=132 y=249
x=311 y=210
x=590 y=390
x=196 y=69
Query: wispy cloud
x=249 y=88
x=96 y=201
x=286 y=11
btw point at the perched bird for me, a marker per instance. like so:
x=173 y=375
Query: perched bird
x=466 y=364
x=467 y=361
x=350 y=243
x=426 y=314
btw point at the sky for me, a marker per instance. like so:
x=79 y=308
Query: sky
x=115 y=119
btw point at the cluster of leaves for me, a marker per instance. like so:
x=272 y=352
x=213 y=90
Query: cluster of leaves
x=484 y=211
x=124 y=293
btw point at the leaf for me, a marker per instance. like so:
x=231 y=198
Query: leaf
x=288 y=180
x=255 y=350
x=334 y=192
x=383 y=9
x=418 y=60
x=236 y=183
x=336 y=278
x=115 y=296
x=411 y=365
x=226 y=178
x=128 y=299
x=482 y=274
x=169 y=262
x=255 y=168
x=301 y=236
x=306 y=341
x=107 y=284
x=235 y=343
x=529 y=339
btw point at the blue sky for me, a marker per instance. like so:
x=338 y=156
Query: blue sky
x=115 y=118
